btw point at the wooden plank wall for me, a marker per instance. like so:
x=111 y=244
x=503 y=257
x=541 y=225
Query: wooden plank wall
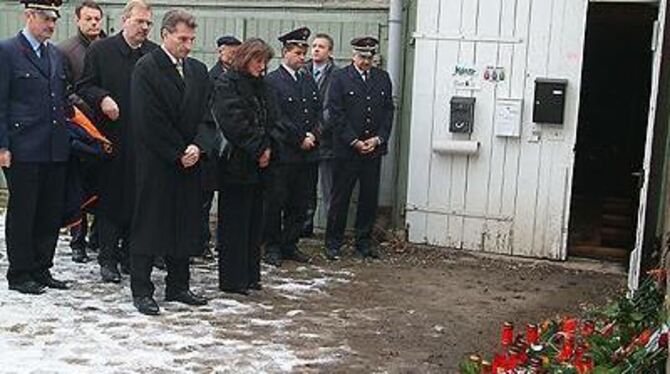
x=512 y=196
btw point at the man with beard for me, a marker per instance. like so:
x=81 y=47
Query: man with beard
x=299 y=106
x=89 y=22
x=105 y=85
x=34 y=147
x=170 y=94
x=321 y=68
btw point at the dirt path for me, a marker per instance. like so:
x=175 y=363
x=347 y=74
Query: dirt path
x=419 y=311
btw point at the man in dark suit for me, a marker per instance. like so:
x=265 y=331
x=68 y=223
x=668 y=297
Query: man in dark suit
x=34 y=147
x=299 y=106
x=321 y=68
x=105 y=86
x=361 y=110
x=170 y=94
x=89 y=22
x=226 y=47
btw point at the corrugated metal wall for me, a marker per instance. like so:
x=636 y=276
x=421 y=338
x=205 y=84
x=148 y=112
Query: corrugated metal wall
x=512 y=197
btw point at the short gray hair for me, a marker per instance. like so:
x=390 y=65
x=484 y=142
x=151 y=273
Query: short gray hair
x=132 y=4
x=173 y=17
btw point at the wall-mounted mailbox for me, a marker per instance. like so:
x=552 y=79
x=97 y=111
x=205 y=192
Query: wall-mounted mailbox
x=549 y=104
x=462 y=115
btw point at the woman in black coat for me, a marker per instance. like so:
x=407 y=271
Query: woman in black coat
x=243 y=109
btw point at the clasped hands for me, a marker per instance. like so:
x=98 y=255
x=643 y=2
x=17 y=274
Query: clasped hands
x=367 y=146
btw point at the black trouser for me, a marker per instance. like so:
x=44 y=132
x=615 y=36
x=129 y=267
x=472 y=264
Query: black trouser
x=345 y=174
x=311 y=186
x=114 y=241
x=286 y=206
x=177 y=278
x=34 y=216
x=241 y=222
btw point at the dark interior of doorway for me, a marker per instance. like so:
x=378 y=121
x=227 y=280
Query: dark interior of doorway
x=611 y=132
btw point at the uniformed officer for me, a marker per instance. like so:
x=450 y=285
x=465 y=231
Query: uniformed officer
x=299 y=105
x=226 y=47
x=34 y=146
x=361 y=113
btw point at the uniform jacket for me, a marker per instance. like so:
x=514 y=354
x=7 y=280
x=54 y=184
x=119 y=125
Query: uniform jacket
x=169 y=113
x=244 y=110
x=360 y=110
x=33 y=103
x=300 y=112
x=108 y=66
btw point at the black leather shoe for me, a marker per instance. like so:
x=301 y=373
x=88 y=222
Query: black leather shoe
x=367 y=252
x=257 y=286
x=332 y=254
x=244 y=292
x=28 y=287
x=187 y=297
x=79 y=255
x=110 y=274
x=273 y=258
x=146 y=305
x=48 y=281
x=297 y=256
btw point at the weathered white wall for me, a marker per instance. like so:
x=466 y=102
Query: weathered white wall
x=513 y=196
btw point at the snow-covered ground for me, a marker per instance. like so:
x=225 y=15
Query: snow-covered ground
x=93 y=327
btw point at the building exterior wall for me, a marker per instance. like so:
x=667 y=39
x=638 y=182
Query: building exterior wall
x=513 y=196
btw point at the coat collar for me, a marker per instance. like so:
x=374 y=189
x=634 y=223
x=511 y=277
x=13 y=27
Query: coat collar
x=125 y=49
x=165 y=63
x=28 y=52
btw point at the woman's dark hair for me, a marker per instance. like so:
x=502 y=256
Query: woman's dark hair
x=251 y=49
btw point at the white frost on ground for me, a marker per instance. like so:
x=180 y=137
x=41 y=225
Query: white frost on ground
x=94 y=328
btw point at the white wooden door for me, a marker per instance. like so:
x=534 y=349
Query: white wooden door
x=657 y=46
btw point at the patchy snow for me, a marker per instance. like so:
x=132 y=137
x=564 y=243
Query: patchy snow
x=94 y=327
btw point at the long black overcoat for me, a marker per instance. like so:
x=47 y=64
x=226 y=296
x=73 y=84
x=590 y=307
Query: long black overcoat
x=108 y=66
x=169 y=113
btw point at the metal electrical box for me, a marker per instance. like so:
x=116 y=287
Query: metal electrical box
x=549 y=102
x=462 y=116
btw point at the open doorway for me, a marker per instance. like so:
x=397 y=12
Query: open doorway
x=613 y=114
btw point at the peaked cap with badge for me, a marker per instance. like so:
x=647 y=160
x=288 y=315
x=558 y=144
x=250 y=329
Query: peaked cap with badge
x=298 y=36
x=366 y=46
x=49 y=7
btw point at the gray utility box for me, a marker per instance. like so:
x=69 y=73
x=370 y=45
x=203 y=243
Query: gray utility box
x=462 y=114
x=549 y=104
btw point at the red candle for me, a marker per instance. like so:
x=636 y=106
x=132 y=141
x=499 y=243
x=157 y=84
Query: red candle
x=570 y=325
x=532 y=334
x=507 y=334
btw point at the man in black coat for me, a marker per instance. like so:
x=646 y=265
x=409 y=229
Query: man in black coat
x=89 y=22
x=226 y=46
x=321 y=68
x=297 y=98
x=34 y=147
x=170 y=94
x=105 y=85
x=361 y=110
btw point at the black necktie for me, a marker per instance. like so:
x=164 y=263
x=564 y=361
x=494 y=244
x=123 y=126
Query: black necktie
x=366 y=76
x=43 y=57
